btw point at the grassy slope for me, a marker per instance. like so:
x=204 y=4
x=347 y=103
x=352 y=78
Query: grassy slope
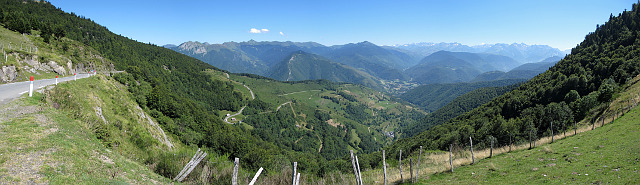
x=607 y=154
x=503 y=169
x=308 y=98
x=43 y=144
x=75 y=52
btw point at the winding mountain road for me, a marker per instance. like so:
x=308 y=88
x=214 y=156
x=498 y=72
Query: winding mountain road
x=253 y=97
x=14 y=90
x=232 y=115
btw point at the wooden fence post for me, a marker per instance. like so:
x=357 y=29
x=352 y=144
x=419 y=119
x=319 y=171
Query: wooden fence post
x=552 y=132
x=293 y=179
x=564 y=129
x=359 y=174
x=530 y=138
x=473 y=160
x=400 y=164
x=450 y=161
x=491 y=151
x=236 y=165
x=510 y=142
x=384 y=167
x=355 y=169
x=534 y=141
x=411 y=169
x=418 y=166
x=253 y=181
x=195 y=160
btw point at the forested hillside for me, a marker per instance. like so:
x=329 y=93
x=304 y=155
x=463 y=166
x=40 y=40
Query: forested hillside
x=524 y=71
x=432 y=97
x=318 y=119
x=570 y=91
x=186 y=101
x=450 y=67
x=366 y=62
x=301 y=65
x=316 y=129
x=246 y=57
x=458 y=106
x=164 y=77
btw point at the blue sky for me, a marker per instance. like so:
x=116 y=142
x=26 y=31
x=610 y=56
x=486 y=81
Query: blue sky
x=558 y=23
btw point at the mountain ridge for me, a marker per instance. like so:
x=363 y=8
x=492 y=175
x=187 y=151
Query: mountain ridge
x=451 y=67
x=301 y=66
x=518 y=51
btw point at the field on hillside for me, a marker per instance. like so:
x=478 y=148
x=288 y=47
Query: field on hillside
x=611 y=145
x=306 y=97
x=606 y=155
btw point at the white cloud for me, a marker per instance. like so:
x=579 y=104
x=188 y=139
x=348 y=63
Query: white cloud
x=253 y=30
x=263 y=30
x=281 y=33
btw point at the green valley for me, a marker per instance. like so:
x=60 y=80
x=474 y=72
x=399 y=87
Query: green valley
x=201 y=113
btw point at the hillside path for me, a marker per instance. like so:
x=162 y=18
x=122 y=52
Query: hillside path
x=253 y=97
x=11 y=91
x=296 y=92
x=238 y=113
x=277 y=109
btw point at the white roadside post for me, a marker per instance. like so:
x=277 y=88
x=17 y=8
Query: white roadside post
x=31 y=87
x=56 y=79
x=75 y=77
x=255 y=178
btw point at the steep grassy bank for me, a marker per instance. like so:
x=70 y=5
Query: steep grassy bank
x=435 y=164
x=91 y=131
x=44 y=143
x=603 y=156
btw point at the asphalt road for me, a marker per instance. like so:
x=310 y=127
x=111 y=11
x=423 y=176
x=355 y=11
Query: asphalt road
x=238 y=113
x=13 y=90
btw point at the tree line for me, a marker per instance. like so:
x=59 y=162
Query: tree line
x=570 y=91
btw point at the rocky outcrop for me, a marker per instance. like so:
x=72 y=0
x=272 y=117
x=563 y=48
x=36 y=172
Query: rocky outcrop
x=194 y=47
x=33 y=64
x=58 y=69
x=70 y=67
x=8 y=74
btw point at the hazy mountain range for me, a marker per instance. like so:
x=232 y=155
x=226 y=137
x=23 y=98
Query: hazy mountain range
x=368 y=64
x=522 y=53
x=301 y=65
